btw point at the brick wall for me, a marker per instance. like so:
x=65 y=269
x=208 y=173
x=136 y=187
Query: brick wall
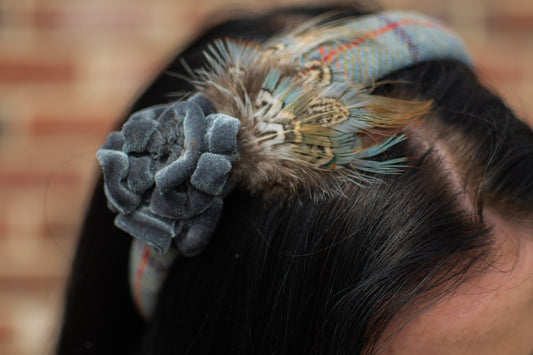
x=68 y=69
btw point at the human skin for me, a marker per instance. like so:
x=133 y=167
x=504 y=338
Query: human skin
x=490 y=314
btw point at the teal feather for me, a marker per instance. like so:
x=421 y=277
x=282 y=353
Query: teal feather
x=305 y=97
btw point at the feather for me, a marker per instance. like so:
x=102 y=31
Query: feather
x=300 y=121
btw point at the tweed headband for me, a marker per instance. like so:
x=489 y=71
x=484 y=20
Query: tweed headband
x=167 y=171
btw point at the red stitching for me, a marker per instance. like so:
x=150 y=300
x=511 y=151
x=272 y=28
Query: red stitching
x=140 y=274
x=392 y=26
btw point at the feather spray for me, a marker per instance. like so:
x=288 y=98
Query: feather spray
x=309 y=120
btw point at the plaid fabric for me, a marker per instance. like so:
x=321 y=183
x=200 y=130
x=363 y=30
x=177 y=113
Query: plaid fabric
x=387 y=42
x=148 y=271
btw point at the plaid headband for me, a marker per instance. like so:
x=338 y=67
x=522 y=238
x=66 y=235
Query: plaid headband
x=377 y=45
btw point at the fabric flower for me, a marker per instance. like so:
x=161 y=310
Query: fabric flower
x=165 y=171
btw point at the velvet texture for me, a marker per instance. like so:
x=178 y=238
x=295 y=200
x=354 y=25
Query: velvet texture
x=165 y=171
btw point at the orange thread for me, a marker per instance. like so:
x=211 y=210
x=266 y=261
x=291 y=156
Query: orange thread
x=375 y=33
x=140 y=274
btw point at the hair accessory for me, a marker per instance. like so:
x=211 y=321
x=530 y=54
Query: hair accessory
x=308 y=121
x=165 y=171
x=305 y=99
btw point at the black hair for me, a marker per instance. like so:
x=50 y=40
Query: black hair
x=314 y=276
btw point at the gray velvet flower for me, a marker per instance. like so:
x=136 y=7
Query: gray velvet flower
x=165 y=171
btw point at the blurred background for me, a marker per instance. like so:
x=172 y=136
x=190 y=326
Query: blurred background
x=69 y=69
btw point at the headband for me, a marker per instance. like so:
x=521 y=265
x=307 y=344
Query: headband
x=294 y=114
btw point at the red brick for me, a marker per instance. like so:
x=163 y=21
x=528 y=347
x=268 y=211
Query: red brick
x=500 y=72
x=23 y=178
x=33 y=69
x=61 y=229
x=6 y=333
x=3 y=228
x=30 y=282
x=99 y=16
x=85 y=126
x=515 y=22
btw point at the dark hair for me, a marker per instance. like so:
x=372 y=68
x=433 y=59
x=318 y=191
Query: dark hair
x=316 y=276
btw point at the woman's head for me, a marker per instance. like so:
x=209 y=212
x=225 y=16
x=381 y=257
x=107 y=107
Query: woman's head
x=411 y=261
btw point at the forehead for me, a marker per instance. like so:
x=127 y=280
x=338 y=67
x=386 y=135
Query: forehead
x=490 y=314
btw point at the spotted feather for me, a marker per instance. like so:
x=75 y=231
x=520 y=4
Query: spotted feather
x=305 y=99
